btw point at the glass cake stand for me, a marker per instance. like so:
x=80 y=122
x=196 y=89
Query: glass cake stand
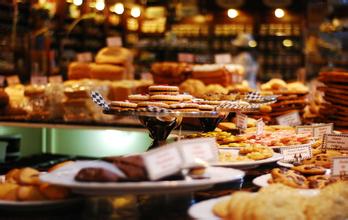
x=161 y=124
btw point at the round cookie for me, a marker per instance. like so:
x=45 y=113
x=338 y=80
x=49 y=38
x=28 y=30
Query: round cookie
x=122 y=106
x=138 y=98
x=163 y=90
x=206 y=108
x=155 y=104
x=310 y=169
x=185 y=107
x=186 y=98
x=320 y=181
x=168 y=99
x=289 y=177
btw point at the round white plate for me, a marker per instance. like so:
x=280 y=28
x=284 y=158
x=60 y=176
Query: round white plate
x=285 y=164
x=65 y=177
x=262 y=181
x=247 y=164
x=203 y=210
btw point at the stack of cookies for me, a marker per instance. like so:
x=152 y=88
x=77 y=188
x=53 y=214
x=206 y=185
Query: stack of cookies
x=292 y=97
x=164 y=96
x=335 y=109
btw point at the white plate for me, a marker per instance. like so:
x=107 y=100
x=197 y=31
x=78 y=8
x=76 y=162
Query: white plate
x=247 y=164
x=65 y=177
x=285 y=164
x=203 y=210
x=262 y=181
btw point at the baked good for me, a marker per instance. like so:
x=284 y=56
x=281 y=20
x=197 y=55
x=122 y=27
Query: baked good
x=220 y=208
x=184 y=107
x=310 y=169
x=122 y=106
x=114 y=55
x=320 y=181
x=107 y=72
x=93 y=174
x=194 y=87
x=289 y=177
x=207 y=108
x=79 y=70
x=138 y=98
x=319 y=160
x=170 y=72
x=4 y=98
x=154 y=104
x=163 y=90
x=168 y=99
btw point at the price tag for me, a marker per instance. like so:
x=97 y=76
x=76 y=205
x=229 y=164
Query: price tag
x=303 y=151
x=290 y=119
x=316 y=130
x=186 y=57
x=320 y=130
x=162 y=162
x=2 y=80
x=38 y=80
x=335 y=141
x=114 y=41
x=146 y=76
x=339 y=166
x=12 y=80
x=223 y=58
x=84 y=57
x=55 y=79
x=260 y=125
x=198 y=151
x=241 y=121
x=202 y=58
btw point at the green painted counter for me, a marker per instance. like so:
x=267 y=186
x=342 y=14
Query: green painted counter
x=94 y=141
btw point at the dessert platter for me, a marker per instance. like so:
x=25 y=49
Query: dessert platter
x=72 y=176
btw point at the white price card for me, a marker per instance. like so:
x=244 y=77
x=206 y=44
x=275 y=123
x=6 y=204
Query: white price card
x=315 y=130
x=12 y=80
x=114 y=42
x=302 y=151
x=290 y=119
x=162 y=162
x=241 y=121
x=55 y=79
x=321 y=129
x=199 y=151
x=2 y=80
x=38 y=80
x=223 y=58
x=339 y=166
x=186 y=57
x=335 y=142
x=84 y=57
x=260 y=125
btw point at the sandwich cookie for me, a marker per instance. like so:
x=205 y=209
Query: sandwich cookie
x=122 y=106
x=186 y=97
x=163 y=90
x=145 y=104
x=206 y=108
x=168 y=99
x=138 y=98
x=185 y=107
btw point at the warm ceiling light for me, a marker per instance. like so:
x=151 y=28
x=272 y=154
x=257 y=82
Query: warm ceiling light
x=135 y=12
x=279 y=13
x=77 y=2
x=287 y=43
x=118 y=8
x=232 y=13
x=100 y=5
x=252 y=43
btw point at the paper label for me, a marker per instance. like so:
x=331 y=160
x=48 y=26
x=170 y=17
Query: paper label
x=162 y=162
x=241 y=121
x=2 y=80
x=198 y=151
x=260 y=125
x=290 y=119
x=12 y=80
x=223 y=58
x=146 y=76
x=320 y=130
x=316 y=130
x=339 y=166
x=186 y=57
x=335 y=141
x=38 y=80
x=55 y=79
x=303 y=151
x=114 y=42
x=84 y=57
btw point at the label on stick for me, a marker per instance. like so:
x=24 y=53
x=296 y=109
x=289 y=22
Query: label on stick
x=260 y=125
x=335 y=142
x=186 y=57
x=294 y=153
x=241 y=121
x=114 y=42
x=223 y=58
x=290 y=119
x=339 y=166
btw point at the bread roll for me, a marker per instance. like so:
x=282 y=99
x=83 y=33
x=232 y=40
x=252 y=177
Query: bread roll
x=77 y=70
x=114 y=55
x=107 y=72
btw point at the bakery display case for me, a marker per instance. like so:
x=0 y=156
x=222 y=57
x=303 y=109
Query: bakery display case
x=173 y=109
